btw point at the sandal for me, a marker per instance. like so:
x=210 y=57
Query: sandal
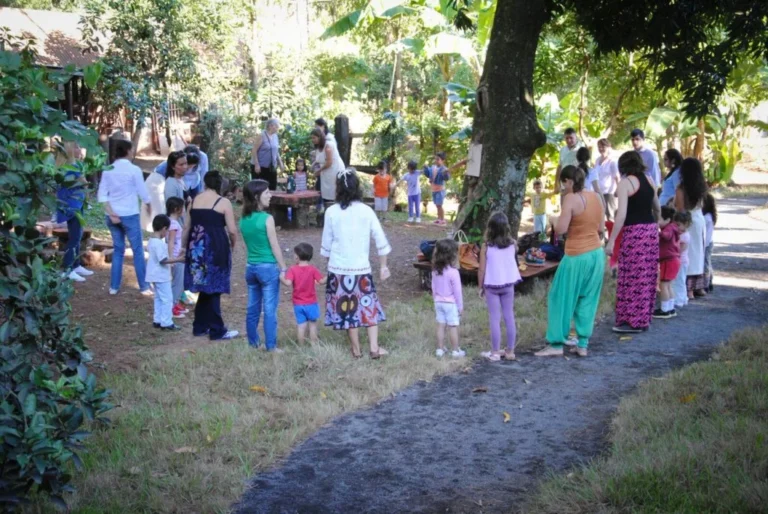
x=379 y=353
x=491 y=356
x=509 y=356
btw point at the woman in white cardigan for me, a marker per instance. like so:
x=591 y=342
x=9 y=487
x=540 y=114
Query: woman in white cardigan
x=351 y=298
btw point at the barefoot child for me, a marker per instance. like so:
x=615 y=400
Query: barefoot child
x=174 y=206
x=438 y=175
x=497 y=277
x=159 y=273
x=303 y=277
x=382 y=185
x=414 y=192
x=669 y=263
x=679 y=287
x=446 y=291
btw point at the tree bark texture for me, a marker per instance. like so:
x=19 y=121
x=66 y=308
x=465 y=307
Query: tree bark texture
x=505 y=117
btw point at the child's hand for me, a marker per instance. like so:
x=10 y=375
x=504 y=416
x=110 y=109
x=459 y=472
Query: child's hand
x=384 y=274
x=482 y=292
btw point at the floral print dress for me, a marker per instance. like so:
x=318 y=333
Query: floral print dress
x=209 y=256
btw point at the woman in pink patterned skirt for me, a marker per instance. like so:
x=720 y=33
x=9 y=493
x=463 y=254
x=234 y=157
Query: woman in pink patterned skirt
x=637 y=215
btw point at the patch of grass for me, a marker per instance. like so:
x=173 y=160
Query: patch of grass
x=94 y=219
x=746 y=191
x=693 y=441
x=189 y=432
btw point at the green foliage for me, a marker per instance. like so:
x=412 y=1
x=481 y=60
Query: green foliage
x=385 y=136
x=228 y=140
x=726 y=156
x=47 y=390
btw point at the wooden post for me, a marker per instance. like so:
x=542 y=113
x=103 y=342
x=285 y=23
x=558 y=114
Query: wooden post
x=343 y=139
x=68 y=99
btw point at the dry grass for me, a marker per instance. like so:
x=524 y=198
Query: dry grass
x=189 y=431
x=745 y=191
x=692 y=442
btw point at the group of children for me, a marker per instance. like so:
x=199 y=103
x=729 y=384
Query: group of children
x=674 y=241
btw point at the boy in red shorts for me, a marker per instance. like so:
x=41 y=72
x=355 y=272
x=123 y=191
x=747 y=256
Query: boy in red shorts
x=303 y=277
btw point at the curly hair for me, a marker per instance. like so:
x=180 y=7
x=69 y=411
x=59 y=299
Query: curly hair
x=692 y=183
x=445 y=254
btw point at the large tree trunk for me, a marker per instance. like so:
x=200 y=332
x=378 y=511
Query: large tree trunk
x=505 y=118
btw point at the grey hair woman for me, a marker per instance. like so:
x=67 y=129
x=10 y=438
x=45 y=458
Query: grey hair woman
x=265 y=156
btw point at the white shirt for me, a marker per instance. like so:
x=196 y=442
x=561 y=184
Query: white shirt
x=121 y=186
x=328 y=176
x=591 y=177
x=651 y=161
x=347 y=238
x=607 y=172
x=568 y=155
x=710 y=229
x=158 y=251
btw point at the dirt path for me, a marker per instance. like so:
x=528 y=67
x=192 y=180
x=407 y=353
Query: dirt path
x=439 y=447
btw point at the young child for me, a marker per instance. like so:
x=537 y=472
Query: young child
x=446 y=291
x=539 y=207
x=174 y=206
x=669 y=262
x=679 y=286
x=300 y=175
x=159 y=273
x=414 y=192
x=497 y=277
x=382 y=185
x=710 y=220
x=303 y=277
x=438 y=175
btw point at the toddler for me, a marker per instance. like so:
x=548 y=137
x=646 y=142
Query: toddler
x=446 y=291
x=539 y=207
x=382 y=185
x=679 y=286
x=709 y=209
x=159 y=273
x=414 y=192
x=300 y=175
x=174 y=206
x=669 y=262
x=438 y=175
x=497 y=277
x=303 y=277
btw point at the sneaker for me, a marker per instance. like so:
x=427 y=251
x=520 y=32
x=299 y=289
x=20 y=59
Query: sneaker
x=75 y=277
x=418 y=220
x=458 y=353
x=624 y=328
x=660 y=314
x=572 y=341
x=156 y=325
x=83 y=272
x=509 y=355
x=179 y=311
x=172 y=328
x=178 y=316
x=113 y=292
x=182 y=308
x=410 y=220
x=231 y=334
x=491 y=356
x=549 y=351
x=440 y=352
x=581 y=352
x=147 y=292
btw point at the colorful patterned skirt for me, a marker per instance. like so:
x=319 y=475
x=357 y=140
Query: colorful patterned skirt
x=351 y=301
x=638 y=275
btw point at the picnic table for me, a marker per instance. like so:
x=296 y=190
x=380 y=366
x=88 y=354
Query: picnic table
x=470 y=276
x=301 y=204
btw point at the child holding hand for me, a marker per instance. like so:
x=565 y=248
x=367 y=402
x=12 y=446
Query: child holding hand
x=679 y=286
x=414 y=192
x=159 y=273
x=446 y=291
x=302 y=276
x=669 y=262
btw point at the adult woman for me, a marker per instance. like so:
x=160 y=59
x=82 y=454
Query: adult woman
x=209 y=237
x=608 y=176
x=636 y=220
x=174 y=184
x=351 y=298
x=70 y=202
x=690 y=197
x=575 y=291
x=265 y=263
x=265 y=158
x=672 y=161
x=328 y=164
x=118 y=191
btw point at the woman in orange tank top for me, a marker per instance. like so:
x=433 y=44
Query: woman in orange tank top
x=575 y=291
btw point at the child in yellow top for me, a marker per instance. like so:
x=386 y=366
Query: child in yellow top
x=539 y=205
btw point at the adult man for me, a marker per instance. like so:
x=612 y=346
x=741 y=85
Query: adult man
x=568 y=154
x=650 y=159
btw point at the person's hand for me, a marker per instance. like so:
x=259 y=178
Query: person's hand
x=481 y=292
x=115 y=219
x=148 y=209
x=609 y=249
x=384 y=273
x=257 y=170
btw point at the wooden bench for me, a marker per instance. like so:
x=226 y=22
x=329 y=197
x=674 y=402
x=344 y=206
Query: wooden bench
x=470 y=276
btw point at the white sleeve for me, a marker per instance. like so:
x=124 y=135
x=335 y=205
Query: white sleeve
x=103 y=194
x=141 y=187
x=382 y=245
x=327 y=240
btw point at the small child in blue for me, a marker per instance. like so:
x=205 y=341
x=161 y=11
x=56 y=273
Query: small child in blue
x=438 y=175
x=414 y=192
x=303 y=277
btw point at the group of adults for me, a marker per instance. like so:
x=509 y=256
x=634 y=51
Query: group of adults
x=633 y=184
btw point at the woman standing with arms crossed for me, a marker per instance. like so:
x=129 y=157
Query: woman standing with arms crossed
x=209 y=237
x=351 y=300
x=637 y=215
x=265 y=264
x=575 y=291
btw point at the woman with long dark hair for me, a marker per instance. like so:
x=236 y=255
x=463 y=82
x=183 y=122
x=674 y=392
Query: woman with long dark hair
x=264 y=266
x=575 y=291
x=672 y=161
x=351 y=298
x=636 y=220
x=690 y=196
x=209 y=238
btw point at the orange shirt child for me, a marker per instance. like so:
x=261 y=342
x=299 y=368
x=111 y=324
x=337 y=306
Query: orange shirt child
x=382 y=185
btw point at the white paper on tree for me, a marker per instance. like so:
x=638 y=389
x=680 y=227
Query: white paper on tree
x=473 y=163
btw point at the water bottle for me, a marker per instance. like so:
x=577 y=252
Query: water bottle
x=290 y=214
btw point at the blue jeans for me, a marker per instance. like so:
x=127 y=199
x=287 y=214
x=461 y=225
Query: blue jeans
x=130 y=227
x=72 y=253
x=263 y=292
